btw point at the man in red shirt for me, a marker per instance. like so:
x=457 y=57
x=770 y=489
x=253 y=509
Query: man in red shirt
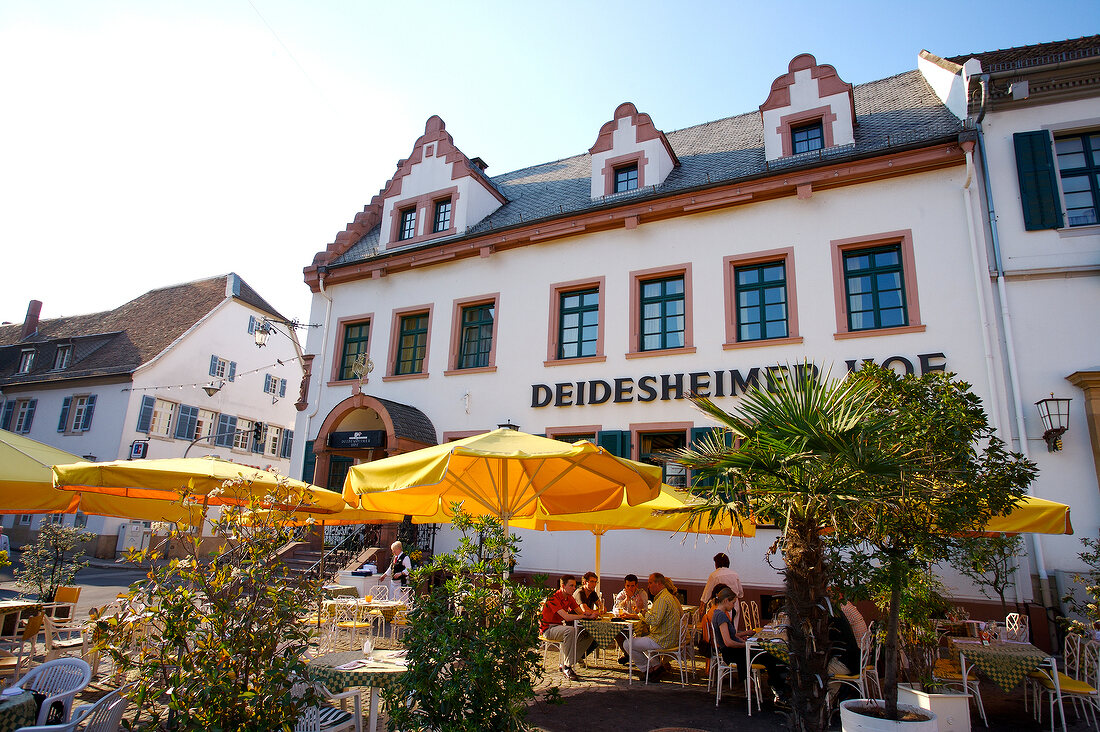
x=559 y=609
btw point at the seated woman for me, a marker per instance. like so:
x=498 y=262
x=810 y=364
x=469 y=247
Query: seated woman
x=731 y=644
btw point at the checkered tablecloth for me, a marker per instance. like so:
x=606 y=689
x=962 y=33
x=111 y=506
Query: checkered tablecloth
x=17 y=711
x=341 y=591
x=604 y=631
x=776 y=648
x=380 y=675
x=1006 y=664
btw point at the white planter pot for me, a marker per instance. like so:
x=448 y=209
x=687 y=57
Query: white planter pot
x=853 y=721
x=952 y=709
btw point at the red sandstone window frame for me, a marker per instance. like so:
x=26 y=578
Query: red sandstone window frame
x=555 y=433
x=729 y=268
x=338 y=346
x=425 y=216
x=825 y=115
x=636 y=278
x=621 y=161
x=456 y=334
x=395 y=343
x=839 y=247
x=553 y=333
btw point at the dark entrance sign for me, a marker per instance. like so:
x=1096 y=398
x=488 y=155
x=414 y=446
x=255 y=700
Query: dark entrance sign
x=358 y=438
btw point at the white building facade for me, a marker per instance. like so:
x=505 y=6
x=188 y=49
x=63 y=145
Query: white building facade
x=175 y=372
x=592 y=294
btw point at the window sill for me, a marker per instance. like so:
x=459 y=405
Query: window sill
x=573 y=361
x=1070 y=232
x=762 y=343
x=404 y=377
x=475 y=370
x=662 y=352
x=879 y=332
x=346 y=382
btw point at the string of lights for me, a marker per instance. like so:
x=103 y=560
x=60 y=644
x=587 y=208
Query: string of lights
x=200 y=384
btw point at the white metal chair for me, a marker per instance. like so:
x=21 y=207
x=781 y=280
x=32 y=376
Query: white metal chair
x=378 y=592
x=60 y=681
x=318 y=717
x=105 y=715
x=1078 y=683
x=1016 y=627
x=683 y=651
x=949 y=673
x=349 y=623
x=720 y=670
x=865 y=679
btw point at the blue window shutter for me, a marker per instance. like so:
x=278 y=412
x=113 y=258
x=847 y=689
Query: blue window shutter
x=145 y=415
x=31 y=405
x=185 y=422
x=282 y=387
x=616 y=442
x=213 y=365
x=63 y=421
x=1038 y=177
x=86 y=424
x=309 y=462
x=267 y=383
x=288 y=443
x=227 y=425
x=5 y=421
x=251 y=324
x=232 y=370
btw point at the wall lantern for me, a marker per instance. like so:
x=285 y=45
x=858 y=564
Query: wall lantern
x=1055 y=416
x=266 y=326
x=508 y=426
x=213 y=388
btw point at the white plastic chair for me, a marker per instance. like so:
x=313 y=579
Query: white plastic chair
x=105 y=715
x=682 y=651
x=63 y=637
x=1016 y=627
x=60 y=680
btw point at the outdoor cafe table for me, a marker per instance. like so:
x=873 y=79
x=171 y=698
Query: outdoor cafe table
x=388 y=608
x=764 y=640
x=382 y=672
x=1005 y=662
x=18 y=710
x=604 y=631
x=12 y=610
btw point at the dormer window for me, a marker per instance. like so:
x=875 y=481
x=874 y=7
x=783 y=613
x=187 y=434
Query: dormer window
x=807 y=137
x=26 y=361
x=626 y=178
x=63 y=358
x=407 y=227
x=442 y=220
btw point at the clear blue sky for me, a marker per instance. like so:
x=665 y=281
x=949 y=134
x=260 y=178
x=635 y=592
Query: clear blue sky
x=148 y=143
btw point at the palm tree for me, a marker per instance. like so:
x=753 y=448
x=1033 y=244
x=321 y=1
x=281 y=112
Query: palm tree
x=804 y=455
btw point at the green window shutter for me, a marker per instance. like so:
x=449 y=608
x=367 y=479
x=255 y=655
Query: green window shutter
x=1038 y=180
x=9 y=408
x=89 y=408
x=616 y=442
x=309 y=460
x=62 y=423
x=31 y=405
x=697 y=435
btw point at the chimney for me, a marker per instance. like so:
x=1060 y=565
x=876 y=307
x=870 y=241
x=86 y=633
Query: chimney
x=30 y=323
x=481 y=164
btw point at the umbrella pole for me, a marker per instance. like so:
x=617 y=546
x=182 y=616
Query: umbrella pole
x=599 y=576
x=320 y=595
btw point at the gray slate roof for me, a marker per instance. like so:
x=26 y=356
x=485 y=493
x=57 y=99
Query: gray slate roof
x=409 y=422
x=893 y=113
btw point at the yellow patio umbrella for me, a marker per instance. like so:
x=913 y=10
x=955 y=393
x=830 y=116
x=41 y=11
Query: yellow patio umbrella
x=26 y=486
x=503 y=473
x=164 y=479
x=665 y=513
x=1033 y=515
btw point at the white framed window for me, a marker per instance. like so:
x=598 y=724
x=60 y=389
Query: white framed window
x=274 y=438
x=63 y=357
x=164 y=414
x=76 y=413
x=24 y=416
x=205 y=423
x=25 y=519
x=221 y=368
x=243 y=436
x=26 y=361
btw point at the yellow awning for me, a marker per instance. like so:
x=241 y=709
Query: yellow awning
x=1033 y=515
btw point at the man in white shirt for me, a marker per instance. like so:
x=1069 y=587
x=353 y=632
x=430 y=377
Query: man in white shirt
x=400 y=571
x=723 y=575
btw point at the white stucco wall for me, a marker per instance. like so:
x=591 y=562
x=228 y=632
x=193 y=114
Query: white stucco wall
x=928 y=204
x=805 y=95
x=624 y=142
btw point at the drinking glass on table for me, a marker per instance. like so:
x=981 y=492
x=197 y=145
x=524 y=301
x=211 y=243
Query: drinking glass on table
x=368 y=649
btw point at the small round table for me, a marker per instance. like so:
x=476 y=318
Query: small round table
x=18 y=710
x=381 y=672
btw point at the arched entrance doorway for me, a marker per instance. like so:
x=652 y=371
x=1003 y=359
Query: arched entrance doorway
x=363 y=428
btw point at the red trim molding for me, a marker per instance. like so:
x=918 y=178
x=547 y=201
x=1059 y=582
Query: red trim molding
x=553 y=330
x=637 y=429
x=338 y=346
x=637 y=277
x=456 y=334
x=786 y=122
x=395 y=336
x=839 y=247
x=425 y=216
x=841 y=174
x=828 y=83
x=644 y=130
x=609 y=166
x=729 y=266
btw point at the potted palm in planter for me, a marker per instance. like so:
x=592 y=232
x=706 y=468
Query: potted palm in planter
x=888 y=468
